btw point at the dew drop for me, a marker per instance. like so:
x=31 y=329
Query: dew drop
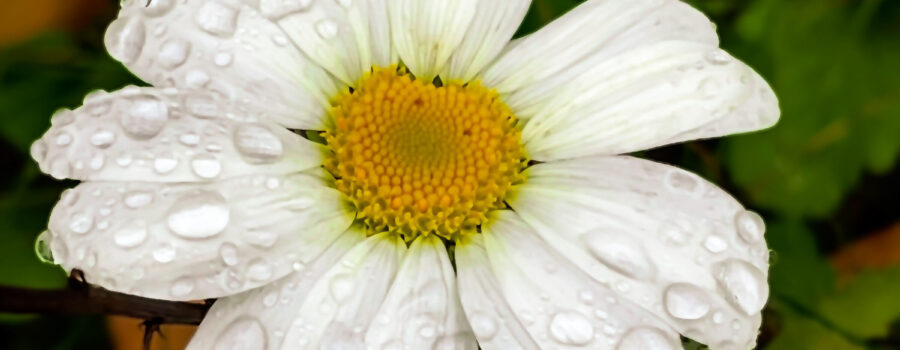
x=202 y=106
x=164 y=163
x=217 y=19
x=63 y=139
x=81 y=223
x=164 y=253
x=686 y=301
x=137 y=199
x=42 y=247
x=620 y=253
x=744 y=285
x=718 y=57
x=681 y=181
x=103 y=138
x=715 y=244
x=189 y=139
x=130 y=237
x=571 y=328
x=259 y=270
x=229 y=254
x=173 y=53
x=182 y=287
x=270 y=298
x=199 y=215
x=125 y=39
x=327 y=28
x=257 y=143
x=145 y=118
x=97 y=161
x=484 y=326
x=645 y=338
x=222 y=59
x=750 y=226
x=275 y=9
x=342 y=287
x=206 y=166
x=60 y=168
x=262 y=239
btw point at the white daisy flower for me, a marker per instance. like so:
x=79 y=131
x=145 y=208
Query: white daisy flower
x=428 y=134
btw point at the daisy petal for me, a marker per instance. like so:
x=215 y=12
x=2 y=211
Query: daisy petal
x=342 y=304
x=147 y=134
x=560 y=305
x=256 y=319
x=426 y=32
x=492 y=320
x=668 y=240
x=422 y=309
x=195 y=241
x=346 y=37
x=494 y=24
x=225 y=46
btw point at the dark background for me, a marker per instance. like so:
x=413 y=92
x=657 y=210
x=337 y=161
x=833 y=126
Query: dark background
x=826 y=178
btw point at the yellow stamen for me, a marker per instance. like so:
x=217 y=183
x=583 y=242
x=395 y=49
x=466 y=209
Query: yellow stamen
x=419 y=159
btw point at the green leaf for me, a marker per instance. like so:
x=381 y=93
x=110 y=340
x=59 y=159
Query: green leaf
x=798 y=272
x=799 y=332
x=867 y=306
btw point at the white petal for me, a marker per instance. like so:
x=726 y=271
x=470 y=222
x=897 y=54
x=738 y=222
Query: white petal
x=257 y=319
x=346 y=37
x=494 y=24
x=668 y=240
x=490 y=316
x=651 y=96
x=147 y=134
x=225 y=46
x=560 y=305
x=343 y=303
x=426 y=32
x=195 y=241
x=422 y=309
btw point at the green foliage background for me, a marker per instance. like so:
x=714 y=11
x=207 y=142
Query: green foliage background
x=824 y=177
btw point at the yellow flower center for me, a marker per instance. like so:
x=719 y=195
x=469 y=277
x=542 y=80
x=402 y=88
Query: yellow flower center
x=418 y=159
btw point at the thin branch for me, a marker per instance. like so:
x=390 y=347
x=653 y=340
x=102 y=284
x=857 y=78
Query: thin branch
x=82 y=298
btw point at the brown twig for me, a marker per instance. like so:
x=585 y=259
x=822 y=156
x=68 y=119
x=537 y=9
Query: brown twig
x=82 y=298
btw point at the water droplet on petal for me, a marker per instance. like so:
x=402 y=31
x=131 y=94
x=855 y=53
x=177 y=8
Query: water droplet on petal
x=342 y=287
x=750 y=226
x=182 y=287
x=130 y=237
x=199 y=215
x=270 y=298
x=223 y=59
x=229 y=254
x=217 y=19
x=682 y=181
x=138 y=199
x=571 y=328
x=206 y=166
x=164 y=163
x=63 y=139
x=42 y=247
x=257 y=143
x=715 y=244
x=81 y=223
x=645 y=338
x=189 y=139
x=484 y=326
x=686 y=301
x=60 y=168
x=259 y=270
x=173 y=53
x=620 y=253
x=744 y=285
x=125 y=39
x=145 y=118
x=327 y=28
x=718 y=57
x=103 y=138
x=164 y=253
x=262 y=239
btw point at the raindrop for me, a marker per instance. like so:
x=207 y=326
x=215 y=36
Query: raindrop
x=327 y=28
x=259 y=270
x=97 y=161
x=686 y=301
x=645 y=338
x=81 y=223
x=63 y=139
x=715 y=244
x=744 y=285
x=196 y=78
x=257 y=143
x=484 y=326
x=202 y=106
x=750 y=226
x=206 y=166
x=164 y=163
x=222 y=59
x=216 y=18
x=199 y=215
x=342 y=287
x=262 y=239
x=164 y=253
x=182 y=287
x=681 y=181
x=125 y=39
x=189 y=139
x=270 y=298
x=146 y=117
x=138 y=199
x=130 y=237
x=103 y=138
x=275 y=9
x=229 y=254
x=620 y=253
x=42 y=247
x=571 y=328
x=718 y=57
x=173 y=53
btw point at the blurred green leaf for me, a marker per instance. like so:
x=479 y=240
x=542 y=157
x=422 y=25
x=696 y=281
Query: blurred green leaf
x=802 y=333
x=798 y=272
x=840 y=95
x=868 y=305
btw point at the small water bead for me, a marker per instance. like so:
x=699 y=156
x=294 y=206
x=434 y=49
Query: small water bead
x=173 y=53
x=229 y=254
x=686 y=301
x=718 y=57
x=206 y=166
x=217 y=18
x=620 y=253
x=259 y=270
x=125 y=39
x=223 y=59
x=59 y=252
x=63 y=139
x=257 y=143
x=103 y=138
x=270 y=298
x=164 y=253
x=164 y=163
x=130 y=237
x=715 y=244
x=199 y=215
x=97 y=161
x=81 y=222
x=137 y=199
x=182 y=287
x=342 y=287
x=189 y=139
x=145 y=118
x=681 y=181
x=327 y=28
x=196 y=78
x=645 y=338
x=42 y=247
x=571 y=328
x=750 y=226
x=484 y=326
x=744 y=285
x=262 y=239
